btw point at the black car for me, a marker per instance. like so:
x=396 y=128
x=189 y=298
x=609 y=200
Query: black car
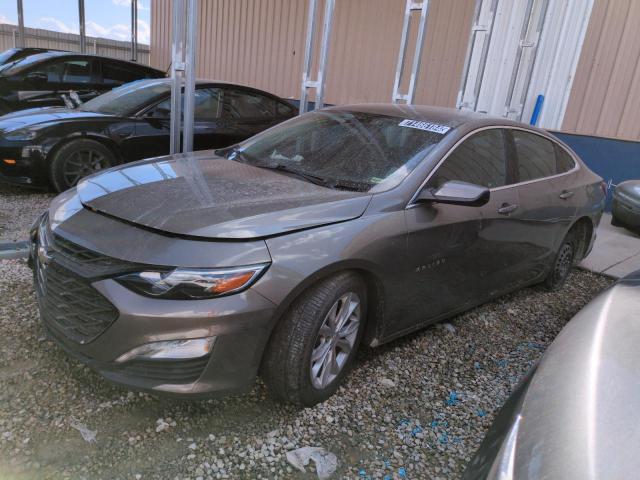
x=58 y=146
x=17 y=53
x=42 y=79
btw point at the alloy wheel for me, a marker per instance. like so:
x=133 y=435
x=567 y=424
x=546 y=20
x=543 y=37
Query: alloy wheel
x=82 y=163
x=563 y=263
x=335 y=340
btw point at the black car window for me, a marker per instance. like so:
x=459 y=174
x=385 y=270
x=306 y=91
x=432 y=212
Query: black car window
x=245 y=104
x=564 y=161
x=76 y=71
x=536 y=156
x=284 y=109
x=129 y=98
x=208 y=105
x=115 y=73
x=481 y=159
x=50 y=69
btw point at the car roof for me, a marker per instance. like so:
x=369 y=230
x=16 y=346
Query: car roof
x=45 y=55
x=204 y=81
x=451 y=117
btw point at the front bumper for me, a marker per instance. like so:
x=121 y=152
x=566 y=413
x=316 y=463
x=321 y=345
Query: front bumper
x=75 y=311
x=29 y=168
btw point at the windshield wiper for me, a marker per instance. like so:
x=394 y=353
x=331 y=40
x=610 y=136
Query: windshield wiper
x=298 y=173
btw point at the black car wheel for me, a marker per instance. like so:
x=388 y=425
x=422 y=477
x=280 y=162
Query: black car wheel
x=562 y=265
x=76 y=160
x=313 y=346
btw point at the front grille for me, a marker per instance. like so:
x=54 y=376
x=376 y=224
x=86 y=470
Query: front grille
x=169 y=371
x=79 y=254
x=70 y=305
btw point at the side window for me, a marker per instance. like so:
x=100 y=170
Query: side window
x=536 y=156
x=51 y=70
x=76 y=71
x=244 y=104
x=208 y=103
x=284 y=109
x=564 y=161
x=116 y=74
x=161 y=110
x=481 y=159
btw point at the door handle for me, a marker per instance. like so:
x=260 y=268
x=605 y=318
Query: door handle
x=566 y=194
x=506 y=209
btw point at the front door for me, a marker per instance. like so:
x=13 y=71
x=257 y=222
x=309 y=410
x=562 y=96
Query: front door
x=457 y=253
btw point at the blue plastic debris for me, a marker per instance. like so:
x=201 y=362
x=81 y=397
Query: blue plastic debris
x=404 y=422
x=453 y=398
x=387 y=477
x=362 y=472
x=457 y=440
x=387 y=464
x=443 y=438
x=416 y=430
x=402 y=473
x=480 y=412
x=435 y=424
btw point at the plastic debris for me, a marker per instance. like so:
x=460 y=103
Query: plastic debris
x=88 y=435
x=387 y=477
x=362 y=472
x=443 y=438
x=326 y=462
x=453 y=398
x=449 y=328
x=480 y=412
x=402 y=473
x=387 y=382
x=416 y=430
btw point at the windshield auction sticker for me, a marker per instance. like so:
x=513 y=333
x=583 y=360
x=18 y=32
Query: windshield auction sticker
x=426 y=126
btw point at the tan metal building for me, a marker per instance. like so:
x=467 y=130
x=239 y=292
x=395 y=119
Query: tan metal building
x=582 y=55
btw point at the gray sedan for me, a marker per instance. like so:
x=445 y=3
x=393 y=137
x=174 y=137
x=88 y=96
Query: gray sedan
x=575 y=415
x=191 y=274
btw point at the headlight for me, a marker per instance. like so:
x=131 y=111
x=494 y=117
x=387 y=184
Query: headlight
x=192 y=283
x=21 y=134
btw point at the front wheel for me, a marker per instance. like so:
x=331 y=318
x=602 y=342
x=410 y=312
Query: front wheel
x=314 y=345
x=76 y=160
x=562 y=264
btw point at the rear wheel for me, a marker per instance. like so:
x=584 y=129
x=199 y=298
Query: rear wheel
x=76 y=160
x=563 y=264
x=314 y=345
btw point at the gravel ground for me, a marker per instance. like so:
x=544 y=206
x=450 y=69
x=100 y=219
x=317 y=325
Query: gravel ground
x=416 y=408
x=19 y=207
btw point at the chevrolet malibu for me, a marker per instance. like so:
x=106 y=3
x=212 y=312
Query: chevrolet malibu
x=281 y=255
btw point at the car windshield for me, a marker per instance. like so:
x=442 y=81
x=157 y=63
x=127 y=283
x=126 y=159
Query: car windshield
x=14 y=67
x=128 y=98
x=6 y=55
x=343 y=149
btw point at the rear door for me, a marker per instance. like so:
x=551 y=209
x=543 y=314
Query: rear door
x=547 y=200
x=38 y=86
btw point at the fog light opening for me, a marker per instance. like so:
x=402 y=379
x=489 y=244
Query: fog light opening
x=170 y=350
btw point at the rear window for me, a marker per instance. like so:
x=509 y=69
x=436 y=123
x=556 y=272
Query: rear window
x=362 y=149
x=564 y=161
x=536 y=156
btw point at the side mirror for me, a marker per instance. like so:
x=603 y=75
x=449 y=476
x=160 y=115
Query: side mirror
x=37 y=77
x=455 y=192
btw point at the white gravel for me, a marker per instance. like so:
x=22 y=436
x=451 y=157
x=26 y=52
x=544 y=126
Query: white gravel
x=416 y=408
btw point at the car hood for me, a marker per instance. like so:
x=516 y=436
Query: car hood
x=203 y=195
x=36 y=116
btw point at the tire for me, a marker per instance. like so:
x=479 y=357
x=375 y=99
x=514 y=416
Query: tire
x=288 y=369
x=562 y=264
x=82 y=157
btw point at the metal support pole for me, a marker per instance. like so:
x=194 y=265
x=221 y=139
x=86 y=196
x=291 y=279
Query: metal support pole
x=134 y=30
x=308 y=55
x=177 y=68
x=83 y=39
x=21 y=42
x=190 y=74
x=417 y=55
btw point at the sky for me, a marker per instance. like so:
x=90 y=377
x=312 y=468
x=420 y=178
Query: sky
x=103 y=18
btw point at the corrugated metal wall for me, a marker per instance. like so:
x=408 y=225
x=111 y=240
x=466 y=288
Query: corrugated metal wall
x=605 y=99
x=37 y=37
x=261 y=43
